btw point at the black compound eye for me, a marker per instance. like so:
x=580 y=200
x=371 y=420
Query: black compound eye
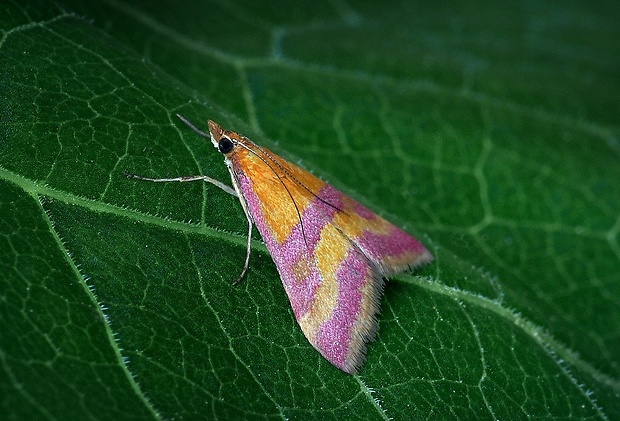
x=225 y=145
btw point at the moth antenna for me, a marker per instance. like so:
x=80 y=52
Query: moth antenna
x=194 y=128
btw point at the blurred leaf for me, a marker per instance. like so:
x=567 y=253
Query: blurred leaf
x=490 y=131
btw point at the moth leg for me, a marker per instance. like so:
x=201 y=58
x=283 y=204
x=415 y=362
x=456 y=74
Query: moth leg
x=246 y=265
x=208 y=179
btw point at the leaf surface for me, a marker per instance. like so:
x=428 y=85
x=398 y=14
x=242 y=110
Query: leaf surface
x=490 y=132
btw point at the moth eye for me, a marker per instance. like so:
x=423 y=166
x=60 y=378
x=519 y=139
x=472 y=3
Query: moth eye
x=225 y=145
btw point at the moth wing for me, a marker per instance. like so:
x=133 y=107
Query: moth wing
x=330 y=251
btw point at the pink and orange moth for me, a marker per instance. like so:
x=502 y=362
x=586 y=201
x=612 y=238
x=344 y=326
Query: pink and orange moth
x=331 y=252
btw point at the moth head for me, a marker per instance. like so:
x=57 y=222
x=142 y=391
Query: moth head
x=223 y=140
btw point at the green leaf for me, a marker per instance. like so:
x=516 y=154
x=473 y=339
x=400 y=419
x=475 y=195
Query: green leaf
x=489 y=131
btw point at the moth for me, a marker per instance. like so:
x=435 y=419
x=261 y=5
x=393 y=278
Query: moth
x=331 y=252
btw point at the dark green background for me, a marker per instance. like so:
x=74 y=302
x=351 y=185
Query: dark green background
x=488 y=130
